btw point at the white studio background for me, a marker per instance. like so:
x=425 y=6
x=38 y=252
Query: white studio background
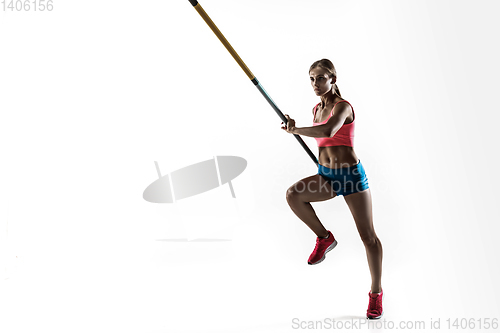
x=94 y=92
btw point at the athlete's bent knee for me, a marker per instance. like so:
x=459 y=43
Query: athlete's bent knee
x=370 y=240
x=291 y=194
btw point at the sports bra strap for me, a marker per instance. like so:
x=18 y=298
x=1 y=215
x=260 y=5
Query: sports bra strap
x=314 y=116
x=315 y=108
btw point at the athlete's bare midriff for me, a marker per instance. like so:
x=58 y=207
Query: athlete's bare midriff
x=335 y=157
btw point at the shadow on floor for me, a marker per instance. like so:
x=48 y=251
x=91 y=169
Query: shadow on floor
x=349 y=317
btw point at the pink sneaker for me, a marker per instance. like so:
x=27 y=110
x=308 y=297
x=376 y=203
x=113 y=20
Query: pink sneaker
x=322 y=247
x=375 y=310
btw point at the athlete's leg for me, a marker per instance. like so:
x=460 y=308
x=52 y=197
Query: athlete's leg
x=360 y=205
x=310 y=189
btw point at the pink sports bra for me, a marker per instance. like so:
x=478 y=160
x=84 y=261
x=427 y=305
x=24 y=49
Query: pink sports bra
x=343 y=137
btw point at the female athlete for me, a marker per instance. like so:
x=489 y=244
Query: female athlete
x=340 y=173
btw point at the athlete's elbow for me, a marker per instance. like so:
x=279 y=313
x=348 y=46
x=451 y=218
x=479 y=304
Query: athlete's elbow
x=325 y=132
x=330 y=133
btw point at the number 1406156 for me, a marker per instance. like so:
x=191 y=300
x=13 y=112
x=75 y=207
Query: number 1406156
x=27 y=5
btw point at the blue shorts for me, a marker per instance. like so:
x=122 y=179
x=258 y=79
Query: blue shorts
x=345 y=181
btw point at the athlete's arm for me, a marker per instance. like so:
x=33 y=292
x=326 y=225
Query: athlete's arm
x=328 y=129
x=314 y=131
x=319 y=131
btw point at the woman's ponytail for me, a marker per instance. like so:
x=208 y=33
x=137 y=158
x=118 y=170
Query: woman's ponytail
x=337 y=91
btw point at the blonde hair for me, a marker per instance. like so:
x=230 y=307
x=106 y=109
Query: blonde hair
x=328 y=66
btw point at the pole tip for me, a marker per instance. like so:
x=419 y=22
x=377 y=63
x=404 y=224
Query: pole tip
x=193 y=2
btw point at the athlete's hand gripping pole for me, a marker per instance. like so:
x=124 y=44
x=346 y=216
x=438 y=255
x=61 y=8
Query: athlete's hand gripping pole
x=247 y=71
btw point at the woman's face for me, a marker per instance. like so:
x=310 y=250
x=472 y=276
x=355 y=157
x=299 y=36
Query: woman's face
x=321 y=81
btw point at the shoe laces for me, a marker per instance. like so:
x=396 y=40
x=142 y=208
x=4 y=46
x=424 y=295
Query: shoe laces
x=375 y=303
x=318 y=241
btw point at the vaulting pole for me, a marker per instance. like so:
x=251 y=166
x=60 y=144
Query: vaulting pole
x=247 y=71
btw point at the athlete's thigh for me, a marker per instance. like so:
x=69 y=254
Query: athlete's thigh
x=360 y=205
x=311 y=189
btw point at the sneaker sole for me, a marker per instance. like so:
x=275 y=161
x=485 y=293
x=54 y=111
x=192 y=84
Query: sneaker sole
x=328 y=249
x=376 y=317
